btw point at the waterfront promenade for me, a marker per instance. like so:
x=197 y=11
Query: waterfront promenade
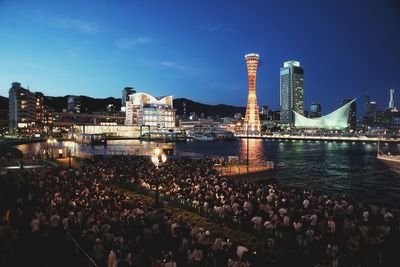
x=307 y=137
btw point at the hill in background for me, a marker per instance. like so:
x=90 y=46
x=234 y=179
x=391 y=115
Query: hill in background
x=209 y=110
x=90 y=105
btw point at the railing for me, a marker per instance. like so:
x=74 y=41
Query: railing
x=243 y=168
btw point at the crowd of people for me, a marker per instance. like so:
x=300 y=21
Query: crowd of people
x=49 y=215
x=314 y=229
x=7 y=153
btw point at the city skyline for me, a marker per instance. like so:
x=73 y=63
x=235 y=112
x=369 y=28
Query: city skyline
x=96 y=50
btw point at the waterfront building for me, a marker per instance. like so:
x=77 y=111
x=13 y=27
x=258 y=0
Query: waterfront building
x=27 y=112
x=315 y=110
x=252 y=118
x=392 y=101
x=336 y=120
x=352 y=121
x=291 y=91
x=126 y=92
x=143 y=109
x=64 y=120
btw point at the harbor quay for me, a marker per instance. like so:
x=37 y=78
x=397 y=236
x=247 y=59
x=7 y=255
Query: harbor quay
x=322 y=137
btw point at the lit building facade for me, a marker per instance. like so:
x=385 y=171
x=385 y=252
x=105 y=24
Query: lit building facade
x=336 y=120
x=126 y=92
x=27 y=112
x=291 y=91
x=146 y=110
x=252 y=118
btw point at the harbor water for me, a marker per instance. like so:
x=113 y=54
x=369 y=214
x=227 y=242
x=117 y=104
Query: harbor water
x=337 y=168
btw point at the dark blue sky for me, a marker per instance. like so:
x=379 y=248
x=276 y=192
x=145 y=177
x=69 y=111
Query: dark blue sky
x=195 y=49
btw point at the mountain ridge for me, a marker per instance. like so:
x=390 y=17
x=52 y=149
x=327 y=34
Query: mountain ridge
x=90 y=105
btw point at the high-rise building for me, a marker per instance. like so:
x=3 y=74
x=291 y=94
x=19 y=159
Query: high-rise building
x=352 y=113
x=373 y=108
x=146 y=110
x=291 y=91
x=392 y=101
x=367 y=109
x=126 y=92
x=252 y=118
x=27 y=113
x=315 y=110
x=372 y=116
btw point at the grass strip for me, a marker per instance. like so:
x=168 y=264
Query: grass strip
x=254 y=243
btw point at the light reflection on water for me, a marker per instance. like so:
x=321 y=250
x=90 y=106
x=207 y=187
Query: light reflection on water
x=334 y=167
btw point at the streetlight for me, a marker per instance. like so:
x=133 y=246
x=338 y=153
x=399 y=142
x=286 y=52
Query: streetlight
x=158 y=158
x=52 y=141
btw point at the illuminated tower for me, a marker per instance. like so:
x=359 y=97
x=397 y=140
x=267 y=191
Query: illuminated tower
x=252 y=119
x=392 y=104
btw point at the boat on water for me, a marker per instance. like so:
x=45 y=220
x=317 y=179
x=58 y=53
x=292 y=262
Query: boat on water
x=211 y=134
x=204 y=137
x=392 y=160
x=223 y=135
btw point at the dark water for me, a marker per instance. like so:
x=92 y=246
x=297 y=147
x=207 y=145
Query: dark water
x=338 y=168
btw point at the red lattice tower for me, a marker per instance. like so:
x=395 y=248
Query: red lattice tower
x=252 y=119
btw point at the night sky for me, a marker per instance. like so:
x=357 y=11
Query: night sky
x=195 y=49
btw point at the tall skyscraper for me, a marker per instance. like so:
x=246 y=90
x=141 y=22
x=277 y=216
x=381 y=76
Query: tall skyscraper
x=352 y=113
x=292 y=91
x=126 y=92
x=252 y=119
x=315 y=110
x=392 y=101
x=367 y=109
